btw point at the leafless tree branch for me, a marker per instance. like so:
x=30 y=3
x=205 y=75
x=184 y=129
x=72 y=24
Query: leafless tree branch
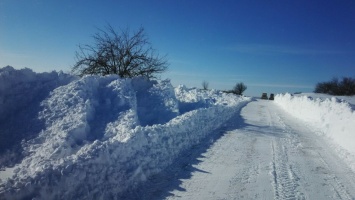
x=119 y=53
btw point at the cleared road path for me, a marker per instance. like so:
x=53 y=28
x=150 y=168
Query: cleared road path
x=262 y=153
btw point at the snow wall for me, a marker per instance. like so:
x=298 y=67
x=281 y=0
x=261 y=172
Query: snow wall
x=18 y=88
x=21 y=92
x=103 y=136
x=331 y=117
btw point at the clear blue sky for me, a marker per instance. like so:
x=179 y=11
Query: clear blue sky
x=271 y=46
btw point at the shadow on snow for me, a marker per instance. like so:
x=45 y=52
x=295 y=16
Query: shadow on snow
x=161 y=185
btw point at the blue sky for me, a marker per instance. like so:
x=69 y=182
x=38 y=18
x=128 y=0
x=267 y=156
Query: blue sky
x=271 y=46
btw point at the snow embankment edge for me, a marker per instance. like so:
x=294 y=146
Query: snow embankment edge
x=329 y=117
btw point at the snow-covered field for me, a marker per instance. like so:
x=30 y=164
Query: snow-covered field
x=329 y=116
x=97 y=137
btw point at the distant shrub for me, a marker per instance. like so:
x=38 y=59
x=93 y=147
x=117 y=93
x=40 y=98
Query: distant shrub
x=345 y=87
x=205 y=85
x=238 y=89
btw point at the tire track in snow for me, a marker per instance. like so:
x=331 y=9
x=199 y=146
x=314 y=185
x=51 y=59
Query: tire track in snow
x=269 y=155
x=248 y=171
x=339 y=189
x=285 y=180
x=322 y=160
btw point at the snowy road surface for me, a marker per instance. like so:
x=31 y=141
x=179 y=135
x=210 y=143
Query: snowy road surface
x=262 y=153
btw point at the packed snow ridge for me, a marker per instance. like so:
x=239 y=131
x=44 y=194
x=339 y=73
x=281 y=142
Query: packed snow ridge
x=21 y=92
x=329 y=116
x=97 y=137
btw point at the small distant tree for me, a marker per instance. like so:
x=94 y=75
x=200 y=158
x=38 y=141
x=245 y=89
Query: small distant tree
x=239 y=88
x=122 y=53
x=205 y=85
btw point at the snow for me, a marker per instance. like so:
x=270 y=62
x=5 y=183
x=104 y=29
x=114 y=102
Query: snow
x=21 y=92
x=329 y=116
x=262 y=152
x=98 y=137
x=349 y=99
x=18 y=88
x=64 y=137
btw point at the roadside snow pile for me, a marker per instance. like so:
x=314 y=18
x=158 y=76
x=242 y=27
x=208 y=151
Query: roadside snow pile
x=103 y=136
x=349 y=99
x=18 y=88
x=21 y=92
x=332 y=117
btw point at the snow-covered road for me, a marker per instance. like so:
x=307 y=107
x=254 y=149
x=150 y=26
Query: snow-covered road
x=262 y=153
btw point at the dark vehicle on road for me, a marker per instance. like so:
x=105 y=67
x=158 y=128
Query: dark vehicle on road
x=271 y=96
x=264 y=96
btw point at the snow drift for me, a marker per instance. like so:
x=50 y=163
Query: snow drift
x=18 y=88
x=103 y=136
x=21 y=92
x=331 y=117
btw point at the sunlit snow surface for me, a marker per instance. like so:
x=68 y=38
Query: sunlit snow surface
x=97 y=137
x=329 y=116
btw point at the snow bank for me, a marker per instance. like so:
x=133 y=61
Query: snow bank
x=21 y=92
x=105 y=135
x=348 y=99
x=332 y=117
x=18 y=88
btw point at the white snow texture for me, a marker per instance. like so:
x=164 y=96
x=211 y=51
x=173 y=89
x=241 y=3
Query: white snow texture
x=21 y=93
x=18 y=88
x=332 y=117
x=103 y=136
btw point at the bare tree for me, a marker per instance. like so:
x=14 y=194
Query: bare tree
x=125 y=54
x=239 y=88
x=205 y=85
